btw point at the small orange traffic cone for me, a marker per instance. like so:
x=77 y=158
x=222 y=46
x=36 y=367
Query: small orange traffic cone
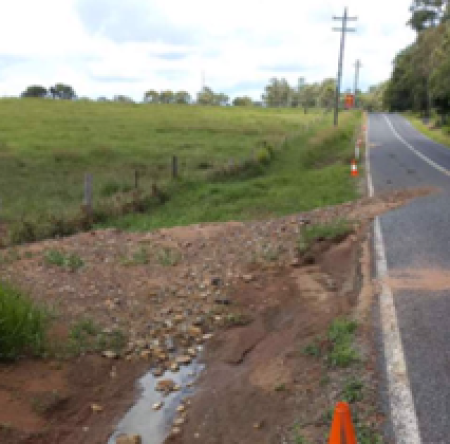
x=354 y=168
x=342 y=430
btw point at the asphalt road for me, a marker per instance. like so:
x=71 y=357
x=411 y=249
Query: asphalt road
x=417 y=239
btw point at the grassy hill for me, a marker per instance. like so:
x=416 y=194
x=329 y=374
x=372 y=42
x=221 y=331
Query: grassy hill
x=47 y=146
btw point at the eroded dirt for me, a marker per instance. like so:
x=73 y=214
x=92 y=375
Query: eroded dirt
x=194 y=281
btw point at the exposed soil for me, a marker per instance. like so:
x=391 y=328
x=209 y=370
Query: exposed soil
x=243 y=282
x=420 y=278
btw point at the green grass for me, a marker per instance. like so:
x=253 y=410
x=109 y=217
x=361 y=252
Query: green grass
x=291 y=183
x=23 y=324
x=341 y=334
x=69 y=261
x=47 y=146
x=337 y=349
x=86 y=336
x=312 y=233
x=353 y=391
x=439 y=135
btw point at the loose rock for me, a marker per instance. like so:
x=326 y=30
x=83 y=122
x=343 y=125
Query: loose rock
x=110 y=354
x=129 y=439
x=157 y=405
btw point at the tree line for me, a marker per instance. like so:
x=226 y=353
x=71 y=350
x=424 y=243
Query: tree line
x=277 y=93
x=421 y=71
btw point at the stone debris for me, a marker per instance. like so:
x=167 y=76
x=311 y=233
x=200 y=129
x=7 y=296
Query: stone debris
x=184 y=360
x=158 y=405
x=165 y=385
x=247 y=277
x=179 y=421
x=96 y=408
x=110 y=354
x=176 y=431
x=129 y=439
x=157 y=372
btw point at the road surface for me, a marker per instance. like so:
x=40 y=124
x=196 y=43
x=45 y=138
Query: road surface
x=415 y=242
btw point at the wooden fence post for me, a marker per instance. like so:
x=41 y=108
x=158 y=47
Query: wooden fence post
x=87 y=202
x=174 y=167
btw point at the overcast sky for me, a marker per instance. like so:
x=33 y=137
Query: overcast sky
x=108 y=47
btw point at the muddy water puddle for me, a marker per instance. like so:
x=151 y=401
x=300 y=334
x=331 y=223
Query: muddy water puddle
x=154 y=426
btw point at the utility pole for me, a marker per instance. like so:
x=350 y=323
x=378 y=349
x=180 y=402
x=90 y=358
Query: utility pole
x=358 y=65
x=343 y=32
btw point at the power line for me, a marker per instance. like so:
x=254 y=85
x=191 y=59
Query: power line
x=343 y=32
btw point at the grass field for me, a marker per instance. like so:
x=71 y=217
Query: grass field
x=47 y=146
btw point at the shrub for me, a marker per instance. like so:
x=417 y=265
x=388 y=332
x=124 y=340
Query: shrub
x=263 y=156
x=23 y=324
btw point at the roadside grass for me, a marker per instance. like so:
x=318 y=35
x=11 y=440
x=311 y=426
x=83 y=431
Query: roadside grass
x=336 y=348
x=331 y=231
x=294 y=181
x=23 y=324
x=342 y=352
x=440 y=135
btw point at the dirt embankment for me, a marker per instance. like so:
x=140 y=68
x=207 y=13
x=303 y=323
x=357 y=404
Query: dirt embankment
x=172 y=289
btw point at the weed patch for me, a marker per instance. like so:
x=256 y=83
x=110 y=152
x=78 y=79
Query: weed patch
x=23 y=324
x=69 y=261
x=333 y=231
x=168 y=257
x=86 y=336
x=341 y=334
x=139 y=257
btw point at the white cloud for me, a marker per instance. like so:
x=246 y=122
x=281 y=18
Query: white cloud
x=107 y=47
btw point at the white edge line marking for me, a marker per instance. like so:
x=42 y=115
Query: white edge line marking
x=417 y=153
x=369 y=175
x=403 y=413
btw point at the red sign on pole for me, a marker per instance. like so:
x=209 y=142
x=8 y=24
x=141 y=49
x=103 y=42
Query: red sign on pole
x=349 y=101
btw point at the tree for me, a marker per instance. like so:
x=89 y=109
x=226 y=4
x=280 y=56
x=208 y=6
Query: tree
x=278 y=93
x=373 y=100
x=62 y=91
x=166 y=96
x=35 y=91
x=242 y=101
x=221 y=99
x=206 y=96
x=182 y=98
x=327 y=90
x=102 y=99
x=151 y=96
x=426 y=14
x=123 y=99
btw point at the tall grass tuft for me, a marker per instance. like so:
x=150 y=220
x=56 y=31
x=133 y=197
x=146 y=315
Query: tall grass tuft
x=23 y=324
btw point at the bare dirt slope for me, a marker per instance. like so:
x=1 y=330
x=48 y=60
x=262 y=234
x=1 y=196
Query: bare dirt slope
x=169 y=290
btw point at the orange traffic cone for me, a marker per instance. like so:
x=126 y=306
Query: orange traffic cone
x=342 y=430
x=354 y=168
